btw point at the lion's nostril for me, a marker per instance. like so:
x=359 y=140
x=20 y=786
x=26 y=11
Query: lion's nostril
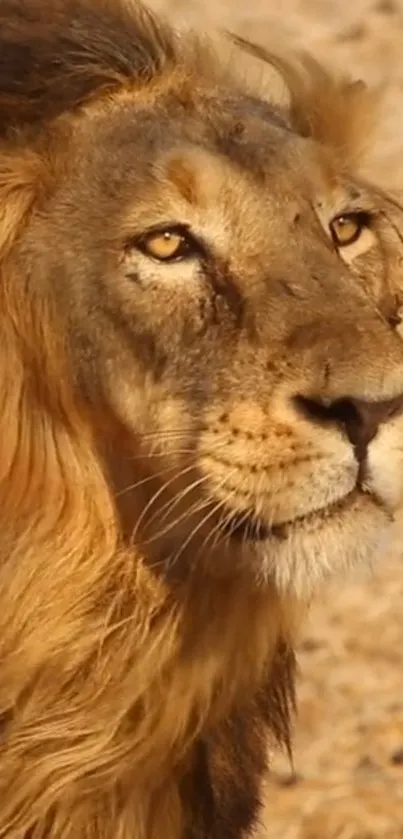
x=358 y=418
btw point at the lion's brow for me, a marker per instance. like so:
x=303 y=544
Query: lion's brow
x=56 y=54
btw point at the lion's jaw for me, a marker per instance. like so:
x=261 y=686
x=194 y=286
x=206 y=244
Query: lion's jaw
x=289 y=515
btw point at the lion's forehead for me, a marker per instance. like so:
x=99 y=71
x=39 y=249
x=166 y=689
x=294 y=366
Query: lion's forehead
x=221 y=161
x=238 y=130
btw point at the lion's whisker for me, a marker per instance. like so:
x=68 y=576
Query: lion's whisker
x=170 y=505
x=202 y=523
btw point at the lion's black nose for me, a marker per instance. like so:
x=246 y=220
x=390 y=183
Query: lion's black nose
x=358 y=418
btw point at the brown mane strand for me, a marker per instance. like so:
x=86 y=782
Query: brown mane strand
x=56 y=56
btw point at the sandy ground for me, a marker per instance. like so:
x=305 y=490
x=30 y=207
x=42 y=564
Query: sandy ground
x=348 y=781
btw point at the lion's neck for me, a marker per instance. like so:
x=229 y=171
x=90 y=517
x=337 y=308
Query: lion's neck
x=104 y=660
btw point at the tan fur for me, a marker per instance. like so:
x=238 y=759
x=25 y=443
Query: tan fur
x=140 y=644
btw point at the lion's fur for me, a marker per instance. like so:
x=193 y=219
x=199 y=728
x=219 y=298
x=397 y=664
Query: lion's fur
x=109 y=672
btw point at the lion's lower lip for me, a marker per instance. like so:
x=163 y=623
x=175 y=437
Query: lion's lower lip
x=247 y=527
x=242 y=527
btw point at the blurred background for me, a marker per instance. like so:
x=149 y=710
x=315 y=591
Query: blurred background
x=347 y=781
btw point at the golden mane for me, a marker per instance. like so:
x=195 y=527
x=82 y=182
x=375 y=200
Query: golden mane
x=108 y=674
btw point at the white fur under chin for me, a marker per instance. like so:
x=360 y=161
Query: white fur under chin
x=302 y=561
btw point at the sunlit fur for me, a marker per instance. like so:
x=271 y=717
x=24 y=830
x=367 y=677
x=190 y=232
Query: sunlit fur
x=145 y=656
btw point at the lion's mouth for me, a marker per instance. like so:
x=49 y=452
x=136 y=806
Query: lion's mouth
x=243 y=527
x=247 y=527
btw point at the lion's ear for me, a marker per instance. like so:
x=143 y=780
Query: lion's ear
x=335 y=111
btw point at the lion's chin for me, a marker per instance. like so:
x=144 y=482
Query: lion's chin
x=298 y=555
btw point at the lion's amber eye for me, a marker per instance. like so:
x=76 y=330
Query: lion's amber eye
x=168 y=245
x=347 y=228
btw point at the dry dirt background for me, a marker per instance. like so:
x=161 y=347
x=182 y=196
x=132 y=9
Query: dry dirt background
x=348 y=781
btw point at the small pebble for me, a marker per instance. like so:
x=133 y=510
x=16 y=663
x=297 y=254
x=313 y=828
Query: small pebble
x=366 y=764
x=397 y=757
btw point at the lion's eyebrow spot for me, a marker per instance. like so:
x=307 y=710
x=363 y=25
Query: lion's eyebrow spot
x=182 y=175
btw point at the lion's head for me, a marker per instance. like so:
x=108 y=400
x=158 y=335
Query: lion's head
x=219 y=286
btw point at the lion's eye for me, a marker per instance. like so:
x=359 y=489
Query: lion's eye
x=168 y=245
x=347 y=228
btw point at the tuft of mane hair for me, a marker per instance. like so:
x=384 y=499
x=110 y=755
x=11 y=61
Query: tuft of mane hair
x=55 y=56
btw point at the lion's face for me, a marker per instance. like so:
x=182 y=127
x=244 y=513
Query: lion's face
x=230 y=298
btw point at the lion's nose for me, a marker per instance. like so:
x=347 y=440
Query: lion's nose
x=358 y=418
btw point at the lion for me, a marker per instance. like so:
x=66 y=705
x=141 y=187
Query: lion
x=201 y=411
